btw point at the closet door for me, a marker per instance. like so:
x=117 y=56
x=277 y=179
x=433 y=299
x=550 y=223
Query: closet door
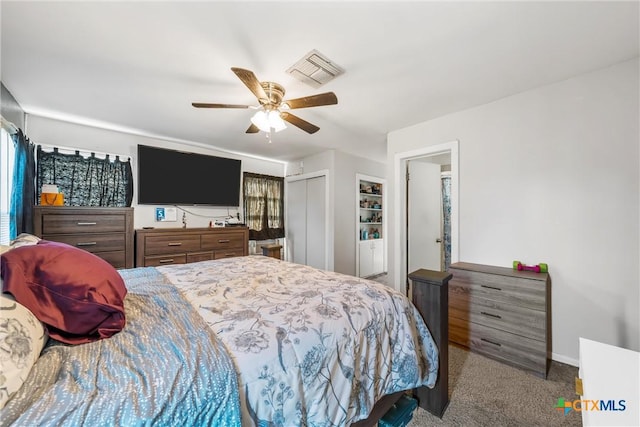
x=296 y=221
x=316 y=219
x=306 y=221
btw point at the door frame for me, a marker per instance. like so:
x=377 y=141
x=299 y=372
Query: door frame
x=400 y=204
x=328 y=218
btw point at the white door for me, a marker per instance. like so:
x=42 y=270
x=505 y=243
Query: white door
x=365 y=258
x=316 y=217
x=296 y=221
x=424 y=207
x=306 y=221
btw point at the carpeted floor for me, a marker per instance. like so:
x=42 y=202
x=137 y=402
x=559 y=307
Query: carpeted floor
x=484 y=392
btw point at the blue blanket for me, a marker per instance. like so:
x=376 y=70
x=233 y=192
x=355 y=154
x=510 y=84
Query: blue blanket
x=166 y=368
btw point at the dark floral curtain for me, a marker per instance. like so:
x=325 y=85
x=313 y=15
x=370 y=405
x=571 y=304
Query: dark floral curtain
x=263 y=197
x=446 y=215
x=23 y=186
x=86 y=181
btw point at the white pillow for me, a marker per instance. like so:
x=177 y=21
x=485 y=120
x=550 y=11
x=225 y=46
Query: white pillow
x=22 y=338
x=24 y=239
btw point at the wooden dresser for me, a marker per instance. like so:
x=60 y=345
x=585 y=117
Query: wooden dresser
x=163 y=246
x=106 y=232
x=502 y=313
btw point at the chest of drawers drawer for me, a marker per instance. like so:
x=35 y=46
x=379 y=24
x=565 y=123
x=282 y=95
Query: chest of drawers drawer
x=73 y=224
x=155 y=261
x=179 y=243
x=511 y=318
x=523 y=292
x=227 y=253
x=92 y=242
x=222 y=241
x=522 y=352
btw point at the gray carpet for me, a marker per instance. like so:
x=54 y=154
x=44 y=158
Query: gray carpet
x=484 y=392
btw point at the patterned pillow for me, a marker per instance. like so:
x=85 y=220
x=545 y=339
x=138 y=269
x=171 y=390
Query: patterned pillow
x=24 y=239
x=22 y=338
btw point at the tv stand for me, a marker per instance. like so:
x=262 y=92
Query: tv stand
x=165 y=246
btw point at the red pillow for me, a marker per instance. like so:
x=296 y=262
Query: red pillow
x=78 y=295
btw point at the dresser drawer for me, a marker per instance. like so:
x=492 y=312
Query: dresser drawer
x=118 y=259
x=229 y=253
x=509 y=290
x=73 y=224
x=155 y=261
x=200 y=256
x=92 y=242
x=518 y=351
x=176 y=243
x=223 y=240
x=506 y=317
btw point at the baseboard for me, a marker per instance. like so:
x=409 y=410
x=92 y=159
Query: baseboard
x=564 y=359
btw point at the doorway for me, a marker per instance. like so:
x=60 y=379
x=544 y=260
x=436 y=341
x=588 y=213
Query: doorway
x=401 y=262
x=426 y=213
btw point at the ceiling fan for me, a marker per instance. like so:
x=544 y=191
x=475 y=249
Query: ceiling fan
x=273 y=109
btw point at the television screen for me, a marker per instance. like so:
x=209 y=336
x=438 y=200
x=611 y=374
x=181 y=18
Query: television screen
x=168 y=177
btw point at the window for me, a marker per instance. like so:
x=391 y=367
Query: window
x=263 y=197
x=7 y=154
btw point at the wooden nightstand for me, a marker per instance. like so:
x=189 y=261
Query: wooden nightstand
x=271 y=250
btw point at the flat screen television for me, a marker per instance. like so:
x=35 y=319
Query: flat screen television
x=169 y=177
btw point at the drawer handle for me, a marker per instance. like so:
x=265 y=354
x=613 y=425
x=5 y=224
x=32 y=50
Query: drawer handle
x=165 y=261
x=174 y=244
x=229 y=255
x=87 y=223
x=491 y=342
x=491 y=315
x=223 y=240
x=491 y=287
x=86 y=243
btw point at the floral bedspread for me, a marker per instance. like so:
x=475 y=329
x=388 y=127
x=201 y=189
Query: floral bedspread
x=312 y=347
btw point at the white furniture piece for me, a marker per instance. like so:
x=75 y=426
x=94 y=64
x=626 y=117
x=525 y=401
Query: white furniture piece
x=611 y=376
x=371 y=229
x=371 y=257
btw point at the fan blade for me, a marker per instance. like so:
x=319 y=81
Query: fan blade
x=252 y=129
x=297 y=121
x=328 y=98
x=251 y=81
x=205 y=105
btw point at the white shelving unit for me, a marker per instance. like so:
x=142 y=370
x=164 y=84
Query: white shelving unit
x=371 y=229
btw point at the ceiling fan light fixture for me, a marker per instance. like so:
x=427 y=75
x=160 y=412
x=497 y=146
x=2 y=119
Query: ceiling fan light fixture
x=261 y=120
x=275 y=121
x=265 y=121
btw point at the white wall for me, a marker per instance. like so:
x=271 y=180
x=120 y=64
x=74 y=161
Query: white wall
x=342 y=189
x=552 y=175
x=64 y=134
x=347 y=166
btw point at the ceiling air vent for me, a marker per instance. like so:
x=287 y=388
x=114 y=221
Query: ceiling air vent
x=315 y=69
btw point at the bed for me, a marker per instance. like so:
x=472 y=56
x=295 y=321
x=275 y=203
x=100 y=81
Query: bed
x=239 y=341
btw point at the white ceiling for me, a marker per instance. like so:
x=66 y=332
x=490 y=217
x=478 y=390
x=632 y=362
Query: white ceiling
x=139 y=65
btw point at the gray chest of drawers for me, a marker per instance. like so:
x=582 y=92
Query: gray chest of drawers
x=501 y=313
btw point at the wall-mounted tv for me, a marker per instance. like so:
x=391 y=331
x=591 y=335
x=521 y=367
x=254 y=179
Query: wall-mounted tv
x=169 y=177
